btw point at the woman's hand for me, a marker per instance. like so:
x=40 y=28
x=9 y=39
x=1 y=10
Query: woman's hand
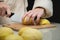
x=33 y=13
x=3 y=9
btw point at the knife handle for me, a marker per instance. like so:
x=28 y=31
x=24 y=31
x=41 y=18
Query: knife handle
x=10 y=15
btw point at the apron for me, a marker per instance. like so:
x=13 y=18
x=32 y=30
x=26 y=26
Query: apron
x=18 y=7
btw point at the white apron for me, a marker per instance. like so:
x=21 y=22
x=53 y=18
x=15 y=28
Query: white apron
x=18 y=7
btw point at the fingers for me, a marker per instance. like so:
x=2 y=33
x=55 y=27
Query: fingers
x=0 y=11
x=29 y=15
x=32 y=14
x=4 y=8
x=33 y=17
x=3 y=12
x=8 y=11
x=26 y=14
x=38 y=18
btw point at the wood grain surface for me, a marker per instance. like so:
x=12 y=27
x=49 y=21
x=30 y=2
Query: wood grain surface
x=17 y=26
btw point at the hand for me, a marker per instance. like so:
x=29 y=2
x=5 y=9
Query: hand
x=3 y=9
x=33 y=13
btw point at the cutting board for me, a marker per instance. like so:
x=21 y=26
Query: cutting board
x=17 y=26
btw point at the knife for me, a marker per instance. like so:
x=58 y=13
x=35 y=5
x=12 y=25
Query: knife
x=10 y=15
x=6 y=20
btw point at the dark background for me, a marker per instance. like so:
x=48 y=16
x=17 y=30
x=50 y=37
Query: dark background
x=56 y=10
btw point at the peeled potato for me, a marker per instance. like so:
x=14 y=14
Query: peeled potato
x=44 y=22
x=5 y=31
x=13 y=37
x=23 y=29
x=31 y=34
x=25 y=21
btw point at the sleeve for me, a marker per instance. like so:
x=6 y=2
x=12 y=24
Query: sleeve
x=47 y=5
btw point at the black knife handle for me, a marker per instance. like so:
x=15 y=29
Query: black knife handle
x=10 y=15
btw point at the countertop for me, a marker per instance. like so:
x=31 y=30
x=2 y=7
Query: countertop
x=51 y=33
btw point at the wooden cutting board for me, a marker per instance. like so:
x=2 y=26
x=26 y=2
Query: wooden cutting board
x=17 y=26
